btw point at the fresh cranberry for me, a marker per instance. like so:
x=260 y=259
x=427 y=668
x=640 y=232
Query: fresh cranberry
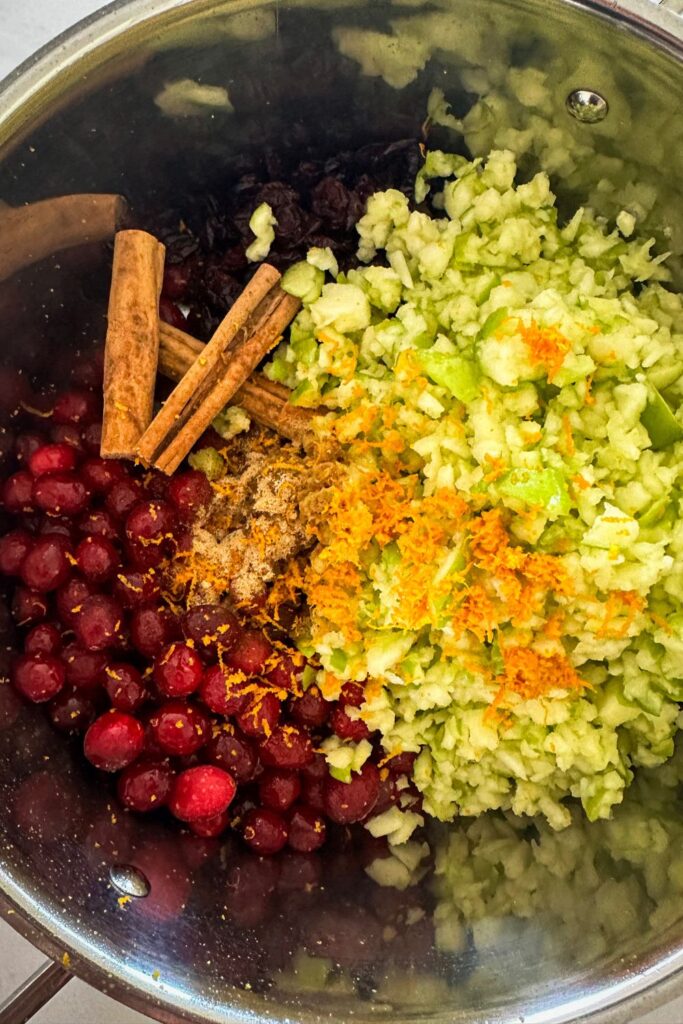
x=234 y=753
x=28 y=606
x=100 y=475
x=97 y=558
x=70 y=598
x=222 y=690
x=316 y=768
x=183 y=540
x=260 y=716
x=287 y=747
x=176 y=280
x=84 y=669
x=125 y=687
x=52 y=458
x=61 y=493
x=402 y=764
x=177 y=671
x=264 y=831
x=348 y=728
x=14 y=547
x=201 y=792
x=212 y=628
x=306 y=829
x=98 y=624
x=352 y=695
x=209 y=828
x=135 y=588
x=172 y=314
x=209 y=439
x=346 y=802
x=65 y=433
x=156 y=484
x=311 y=710
x=152 y=629
x=78 y=407
x=43 y=639
x=38 y=677
x=25 y=445
x=114 y=741
x=150 y=522
x=152 y=748
x=71 y=711
x=17 y=492
x=144 y=557
x=313 y=792
x=92 y=438
x=388 y=794
x=145 y=785
x=98 y=523
x=251 y=653
x=199 y=844
x=286 y=673
x=279 y=789
x=123 y=497
x=189 y=492
x=179 y=728
x=46 y=565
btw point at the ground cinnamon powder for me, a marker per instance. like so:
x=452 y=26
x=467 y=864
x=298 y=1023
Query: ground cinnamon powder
x=255 y=525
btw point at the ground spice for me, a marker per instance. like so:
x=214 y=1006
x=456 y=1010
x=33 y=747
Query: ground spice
x=255 y=524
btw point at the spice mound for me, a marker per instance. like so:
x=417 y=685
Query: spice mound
x=256 y=523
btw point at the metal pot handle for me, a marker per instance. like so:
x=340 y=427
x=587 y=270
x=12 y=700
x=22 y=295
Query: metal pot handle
x=37 y=990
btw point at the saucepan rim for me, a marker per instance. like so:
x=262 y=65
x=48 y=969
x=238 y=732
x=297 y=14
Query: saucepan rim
x=618 y=1000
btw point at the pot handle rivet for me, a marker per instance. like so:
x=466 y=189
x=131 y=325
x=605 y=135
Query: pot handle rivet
x=587 y=106
x=129 y=880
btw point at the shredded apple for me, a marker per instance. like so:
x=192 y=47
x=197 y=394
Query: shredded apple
x=498 y=581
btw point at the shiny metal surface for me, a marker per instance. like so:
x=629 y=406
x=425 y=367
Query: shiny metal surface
x=531 y=926
x=587 y=106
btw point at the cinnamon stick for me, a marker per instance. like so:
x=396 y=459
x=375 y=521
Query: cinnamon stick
x=30 y=233
x=263 y=400
x=132 y=345
x=267 y=402
x=250 y=330
x=177 y=351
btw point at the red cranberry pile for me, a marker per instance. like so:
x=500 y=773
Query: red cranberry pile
x=199 y=711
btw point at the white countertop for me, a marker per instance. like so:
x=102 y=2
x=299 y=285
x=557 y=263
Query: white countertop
x=27 y=25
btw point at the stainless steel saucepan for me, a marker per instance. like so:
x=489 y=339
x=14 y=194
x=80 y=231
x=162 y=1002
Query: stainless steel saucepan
x=188 y=930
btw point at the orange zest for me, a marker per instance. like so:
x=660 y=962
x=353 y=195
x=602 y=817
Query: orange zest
x=568 y=436
x=529 y=674
x=547 y=346
x=626 y=603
